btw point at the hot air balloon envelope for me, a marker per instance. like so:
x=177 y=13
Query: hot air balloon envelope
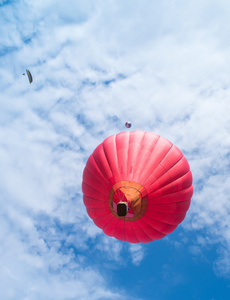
x=137 y=186
x=128 y=124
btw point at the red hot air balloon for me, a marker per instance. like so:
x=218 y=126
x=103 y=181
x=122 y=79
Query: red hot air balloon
x=137 y=186
x=128 y=124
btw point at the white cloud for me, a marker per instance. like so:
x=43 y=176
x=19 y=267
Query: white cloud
x=137 y=253
x=111 y=248
x=222 y=264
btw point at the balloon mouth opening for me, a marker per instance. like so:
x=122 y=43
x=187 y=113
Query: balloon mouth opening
x=128 y=200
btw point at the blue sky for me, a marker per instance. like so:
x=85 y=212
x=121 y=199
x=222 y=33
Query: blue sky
x=164 y=66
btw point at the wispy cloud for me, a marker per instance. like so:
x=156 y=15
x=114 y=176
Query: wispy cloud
x=137 y=253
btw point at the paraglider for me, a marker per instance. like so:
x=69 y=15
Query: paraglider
x=137 y=186
x=29 y=75
x=128 y=124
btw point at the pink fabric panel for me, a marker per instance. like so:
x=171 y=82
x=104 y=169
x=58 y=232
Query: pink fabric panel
x=158 y=225
x=150 y=231
x=94 y=203
x=182 y=195
x=98 y=212
x=134 y=149
x=171 y=158
x=130 y=234
x=122 y=147
x=94 y=183
x=179 y=169
x=176 y=207
x=93 y=168
x=157 y=180
x=110 y=150
x=140 y=234
x=111 y=226
x=101 y=222
x=168 y=218
x=148 y=144
x=91 y=192
x=119 y=232
x=102 y=163
x=160 y=150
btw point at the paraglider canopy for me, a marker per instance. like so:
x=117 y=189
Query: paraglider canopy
x=128 y=124
x=29 y=75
